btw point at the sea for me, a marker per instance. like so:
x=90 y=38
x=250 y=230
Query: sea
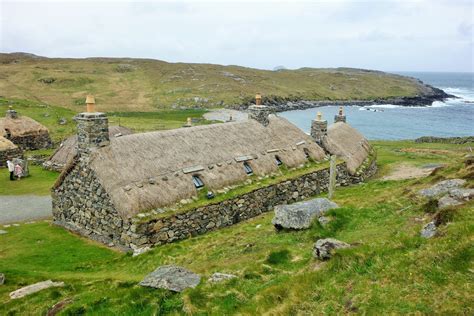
x=454 y=117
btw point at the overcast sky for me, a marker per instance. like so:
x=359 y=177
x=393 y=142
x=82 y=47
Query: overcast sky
x=431 y=35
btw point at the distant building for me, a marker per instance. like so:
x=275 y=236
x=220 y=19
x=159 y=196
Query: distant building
x=24 y=132
x=115 y=191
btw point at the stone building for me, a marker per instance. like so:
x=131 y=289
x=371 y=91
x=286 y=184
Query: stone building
x=133 y=191
x=24 y=132
x=8 y=150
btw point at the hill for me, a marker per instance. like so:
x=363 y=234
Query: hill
x=127 y=84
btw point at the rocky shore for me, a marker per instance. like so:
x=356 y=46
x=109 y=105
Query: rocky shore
x=281 y=104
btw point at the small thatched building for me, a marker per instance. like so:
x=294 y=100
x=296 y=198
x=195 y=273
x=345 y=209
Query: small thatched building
x=109 y=186
x=8 y=150
x=67 y=150
x=24 y=132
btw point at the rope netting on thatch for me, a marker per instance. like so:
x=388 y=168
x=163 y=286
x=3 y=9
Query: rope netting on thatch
x=346 y=142
x=149 y=170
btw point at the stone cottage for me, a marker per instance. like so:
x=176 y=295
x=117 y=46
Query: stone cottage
x=133 y=192
x=24 y=132
x=67 y=150
x=8 y=150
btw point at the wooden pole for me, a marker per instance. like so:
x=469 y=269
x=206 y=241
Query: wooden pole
x=332 y=177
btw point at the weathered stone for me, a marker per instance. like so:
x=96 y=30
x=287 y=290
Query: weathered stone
x=139 y=251
x=219 y=277
x=171 y=278
x=441 y=188
x=3 y=232
x=429 y=230
x=324 y=248
x=301 y=215
x=448 y=201
x=2 y=278
x=323 y=220
x=30 y=289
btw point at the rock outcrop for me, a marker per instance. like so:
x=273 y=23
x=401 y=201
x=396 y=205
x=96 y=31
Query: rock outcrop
x=172 y=278
x=429 y=230
x=324 y=248
x=33 y=288
x=219 y=277
x=302 y=214
x=441 y=188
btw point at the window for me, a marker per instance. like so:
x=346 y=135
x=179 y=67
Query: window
x=248 y=169
x=198 y=182
x=306 y=153
x=278 y=161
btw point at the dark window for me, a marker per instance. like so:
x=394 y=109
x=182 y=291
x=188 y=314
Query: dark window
x=197 y=182
x=247 y=168
x=278 y=160
x=306 y=153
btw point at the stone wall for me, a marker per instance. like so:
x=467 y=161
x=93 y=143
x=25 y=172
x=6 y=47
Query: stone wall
x=81 y=204
x=32 y=142
x=13 y=153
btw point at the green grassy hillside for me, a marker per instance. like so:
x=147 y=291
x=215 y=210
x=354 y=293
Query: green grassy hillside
x=390 y=270
x=125 y=84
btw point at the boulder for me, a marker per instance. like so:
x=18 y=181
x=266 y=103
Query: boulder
x=324 y=248
x=462 y=194
x=33 y=288
x=441 y=188
x=429 y=230
x=2 y=278
x=2 y=232
x=300 y=215
x=171 y=278
x=219 y=277
x=448 y=201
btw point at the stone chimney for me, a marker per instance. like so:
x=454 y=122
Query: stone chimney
x=340 y=117
x=11 y=113
x=319 y=129
x=260 y=112
x=92 y=128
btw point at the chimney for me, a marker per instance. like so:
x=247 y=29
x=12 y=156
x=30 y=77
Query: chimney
x=340 y=117
x=260 y=112
x=189 y=122
x=92 y=128
x=11 y=113
x=319 y=129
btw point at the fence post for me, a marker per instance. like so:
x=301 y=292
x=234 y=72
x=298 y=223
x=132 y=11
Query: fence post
x=332 y=177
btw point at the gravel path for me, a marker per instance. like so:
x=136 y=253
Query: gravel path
x=224 y=115
x=21 y=208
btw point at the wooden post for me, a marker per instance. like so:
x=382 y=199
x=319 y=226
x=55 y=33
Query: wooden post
x=332 y=177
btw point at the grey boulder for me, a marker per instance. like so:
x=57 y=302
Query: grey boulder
x=441 y=188
x=171 y=278
x=324 y=248
x=429 y=230
x=2 y=278
x=219 y=277
x=300 y=215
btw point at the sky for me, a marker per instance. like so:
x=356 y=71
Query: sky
x=410 y=35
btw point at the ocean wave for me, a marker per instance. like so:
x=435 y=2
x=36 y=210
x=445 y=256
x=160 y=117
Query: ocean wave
x=463 y=93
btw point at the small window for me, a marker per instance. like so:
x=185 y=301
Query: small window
x=306 y=153
x=278 y=161
x=248 y=169
x=198 y=182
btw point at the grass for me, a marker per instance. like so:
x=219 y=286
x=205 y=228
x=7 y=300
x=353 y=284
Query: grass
x=389 y=269
x=150 y=85
x=39 y=182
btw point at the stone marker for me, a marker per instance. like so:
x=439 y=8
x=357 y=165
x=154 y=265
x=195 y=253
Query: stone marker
x=429 y=230
x=171 y=278
x=30 y=289
x=2 y=278
x=324 y=248
x=219 y=277
x=3 y=232
x=442 y=187
x=300 y=215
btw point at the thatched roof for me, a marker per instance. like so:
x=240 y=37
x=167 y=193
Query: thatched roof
x=144 y=171
x=21 y=126
x=346 y=142
x=5 y=144
x=68 y=147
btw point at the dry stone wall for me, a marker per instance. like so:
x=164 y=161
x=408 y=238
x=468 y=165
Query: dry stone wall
x=81 y=204
x=32 y=142
x=12 y=153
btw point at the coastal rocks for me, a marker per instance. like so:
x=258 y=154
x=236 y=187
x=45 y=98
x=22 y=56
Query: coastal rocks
x=301 y=215
x=324 y=248
x=429 y=230
x=219 y=277
x=442 y=187
x=445 y=140
x=33 y=288
x=171 y=278
x=2 y=278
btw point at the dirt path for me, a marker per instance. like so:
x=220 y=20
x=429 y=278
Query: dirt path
x=24 y=208
x=406 y=171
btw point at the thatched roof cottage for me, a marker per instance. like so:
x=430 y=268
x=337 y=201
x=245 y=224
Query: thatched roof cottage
x=67 y=150
x=108 y=185
x=8 y=150
x=24 y=132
